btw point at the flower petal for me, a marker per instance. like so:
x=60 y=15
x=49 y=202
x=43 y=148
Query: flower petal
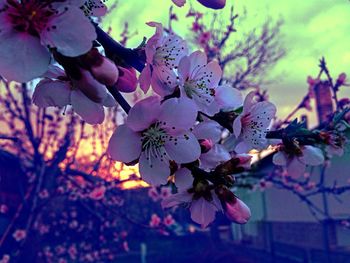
x=237 y=126
x=176 y=199
x=215 y=156
x=295 y=168
x=183 y=179
x=256 y=124
x=70 y=32
x=109 y=101
x=248 y=102
x=189 y=65
x=125 y=145
x=208 y=130
x=22 y=57
x=183 y=149
x=163 y=81
x=144 y=113
x=153 y=170
x=202 y=212
x=178 y=115
x=145 y=78
x=209 y=75
x=228 y=98
x=89 y=111
x=312 y=155
x=243 y=147
x=52 y=93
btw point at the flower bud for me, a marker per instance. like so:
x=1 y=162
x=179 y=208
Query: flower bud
x=91 y=88
x=237 y=211
x=311 y=81
x=105 y=72
x=127 y=81
x=206 y=145
x=341 y=79
x=244 y=160
x=214 y=4
x=98 y=193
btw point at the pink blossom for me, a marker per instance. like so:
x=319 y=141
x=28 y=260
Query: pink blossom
x=127 y=81
x=168 y=220
x=126 y=246
x=29 y=28
x=154 y=135
x=43 y=194
x=196 y=26
x=204 y=38
x=98 y=193
x=153 y=193
x=199 y=80
x=19 y=234
x=296 y=163
x=165 y=192
x=60 y=92
x=155 y=220
x=5 y=259
x=163 y=53
x=263 y=184
x=72 y=251
x=3 y=208
x=43 y=229
x=251 y=125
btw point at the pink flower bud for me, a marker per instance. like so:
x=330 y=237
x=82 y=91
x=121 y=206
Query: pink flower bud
x=106 y=72
x=206 y=145
x=155 y=220
x=179 y=3
x=341 y=79
x=91 y=88
x=127 y=81
x=312 y=81
x=237 y=211
x=244 y=160
x=19 y=235
x=98 y=193
x=214 y=4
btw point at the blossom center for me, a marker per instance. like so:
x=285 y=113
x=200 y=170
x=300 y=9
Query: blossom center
x=29 y=16
x=198 y=88
x=153 y=137
x=163 y=56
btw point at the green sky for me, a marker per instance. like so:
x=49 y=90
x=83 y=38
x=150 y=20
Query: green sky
x=312 y=28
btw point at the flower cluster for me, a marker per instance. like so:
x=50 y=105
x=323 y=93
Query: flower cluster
x=193 y=131
x=176 y=134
